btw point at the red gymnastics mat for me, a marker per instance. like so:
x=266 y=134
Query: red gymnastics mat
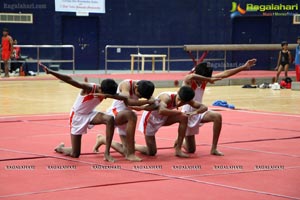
x=262 y=161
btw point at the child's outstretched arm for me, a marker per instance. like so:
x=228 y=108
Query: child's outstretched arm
x=115 y=96
x=231 y=72
x=66 y=79
x=133 y=102
x=196 y=77
x=148 y=107
x=111 y=96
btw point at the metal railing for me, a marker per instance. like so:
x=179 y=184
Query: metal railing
x=225 y=48
x=138 y=49
x=38 y=59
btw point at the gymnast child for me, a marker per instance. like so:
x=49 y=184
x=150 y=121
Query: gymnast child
x=284 y=60
x=197 y=80
x=126 y=118
x=168 y=114
x=83 y=115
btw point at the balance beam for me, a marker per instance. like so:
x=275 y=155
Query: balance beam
x=235 y=47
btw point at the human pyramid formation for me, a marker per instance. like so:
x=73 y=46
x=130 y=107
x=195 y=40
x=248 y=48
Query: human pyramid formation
x=136 y=95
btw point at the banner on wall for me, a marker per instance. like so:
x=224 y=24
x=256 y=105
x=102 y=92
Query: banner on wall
x=80 y=6
x=263 y=9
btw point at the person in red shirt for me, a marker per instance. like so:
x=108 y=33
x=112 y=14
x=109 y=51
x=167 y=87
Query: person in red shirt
x=17 y=60
x=7 y=50
x=16 y=50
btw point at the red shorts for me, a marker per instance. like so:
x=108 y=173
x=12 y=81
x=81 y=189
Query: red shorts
x=6 y=55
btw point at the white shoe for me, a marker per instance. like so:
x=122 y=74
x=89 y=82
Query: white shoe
x=275 y=86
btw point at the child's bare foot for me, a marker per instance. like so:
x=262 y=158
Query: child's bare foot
x=180 y=154
x=216 y=152
x=99 y=141
x=183 y=145
x=133 y=158
x=108 y=158
x=58 y=149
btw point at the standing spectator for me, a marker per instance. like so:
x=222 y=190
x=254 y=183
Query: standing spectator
x=284 y=60
x=7 y=50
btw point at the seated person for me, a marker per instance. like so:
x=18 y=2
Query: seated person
x=17 y=60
